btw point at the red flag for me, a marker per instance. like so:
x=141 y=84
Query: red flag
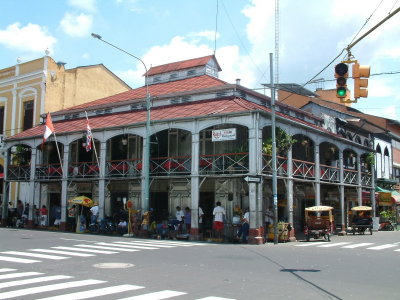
x=88 y=137
x=49 y=129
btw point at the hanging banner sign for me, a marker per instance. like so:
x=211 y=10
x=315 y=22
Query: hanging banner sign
x=219 y=135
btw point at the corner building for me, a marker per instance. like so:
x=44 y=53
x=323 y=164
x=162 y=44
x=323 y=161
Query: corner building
x=206 y=137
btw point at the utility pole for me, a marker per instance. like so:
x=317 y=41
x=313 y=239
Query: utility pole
x=274 y=172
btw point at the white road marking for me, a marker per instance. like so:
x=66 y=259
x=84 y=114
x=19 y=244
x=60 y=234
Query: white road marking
x=333 y=245
x=357 y=245
x=215 y=298
x=18 y=275
x=146 y=244
x=47 y=288
x=35 y=255
x=156 y=295
x=7 y=270
x=126 y=246
x=172 y=243
x=62 y=252
x=76 y=240
x=381 y=247
x=106 y=248
x=18 y=260
x=309 y=244
x=32 y=280
x=95 y=293
x=91 y=250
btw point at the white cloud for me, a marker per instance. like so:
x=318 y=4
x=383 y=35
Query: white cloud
x=77 y=25
x=30 y=38
x=208 y=34
x=86 y=5
x=85 y=56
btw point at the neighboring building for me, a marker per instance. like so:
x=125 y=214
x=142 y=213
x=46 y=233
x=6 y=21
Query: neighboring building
x=209 y=141
x=30 y=89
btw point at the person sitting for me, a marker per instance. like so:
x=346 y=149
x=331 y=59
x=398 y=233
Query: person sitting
x=122 y=227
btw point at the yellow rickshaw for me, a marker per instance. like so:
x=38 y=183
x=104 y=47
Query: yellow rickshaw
x=318 y=222
x=361 y=220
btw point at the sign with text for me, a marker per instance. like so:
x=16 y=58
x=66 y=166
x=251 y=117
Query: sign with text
x=219 y=135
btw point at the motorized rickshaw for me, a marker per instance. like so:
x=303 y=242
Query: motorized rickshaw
x=318 y=222
x=361 y=220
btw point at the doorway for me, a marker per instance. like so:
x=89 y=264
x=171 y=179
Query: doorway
x=159 y=204
x=207 y=203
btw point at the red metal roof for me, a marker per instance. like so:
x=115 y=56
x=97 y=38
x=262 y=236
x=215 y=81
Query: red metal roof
x=181 y=65
x=185 y=110
x=189 y=84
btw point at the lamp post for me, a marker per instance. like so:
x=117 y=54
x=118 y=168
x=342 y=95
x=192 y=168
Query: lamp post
x=146 y=165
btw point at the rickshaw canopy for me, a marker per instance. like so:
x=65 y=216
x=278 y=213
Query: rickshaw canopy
x=361 y=208
x=319 y=208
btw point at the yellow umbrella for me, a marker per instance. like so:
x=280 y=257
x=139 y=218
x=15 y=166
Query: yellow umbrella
x=82 y=200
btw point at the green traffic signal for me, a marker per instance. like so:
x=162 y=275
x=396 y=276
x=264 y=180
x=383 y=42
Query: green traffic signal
x=341 y=92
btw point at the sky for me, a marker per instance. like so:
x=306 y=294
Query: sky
x=312 y=33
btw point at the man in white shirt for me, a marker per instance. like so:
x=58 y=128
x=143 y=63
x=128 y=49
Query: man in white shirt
x=219 y=213
x=244 y=230
x=95 y=213
x=201 y=214
x=180 y=215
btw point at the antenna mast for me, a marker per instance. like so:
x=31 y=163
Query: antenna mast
x=276 y=42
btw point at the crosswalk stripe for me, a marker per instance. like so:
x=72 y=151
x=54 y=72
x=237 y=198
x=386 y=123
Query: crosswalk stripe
x=156 y=295
x=47 y=288
x=18 y=260
x=127 y=246
x=32 y=280
x=96 y=293
x=107 y=248
x=357 y=245
x=35 y=255
x=3 y=270
x=62 y=252
x=397 y=250
x=215 y=298
x=381 y=247
x=18 y=275
x=173 y=243
x=145 y=244
x=310 y=244
x=333 y=245
x=91 y=250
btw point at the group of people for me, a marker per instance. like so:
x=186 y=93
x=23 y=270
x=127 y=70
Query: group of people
x=18 y=216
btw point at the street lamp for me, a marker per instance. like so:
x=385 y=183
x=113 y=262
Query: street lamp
x=146 y=165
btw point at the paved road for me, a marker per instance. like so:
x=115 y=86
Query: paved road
x=54 y=265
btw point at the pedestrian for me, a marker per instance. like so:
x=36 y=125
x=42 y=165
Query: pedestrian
x=43 y=216
x=188 y=219
x=122 y=227
x=20 y=208
x=71 y=217
x=36 y=215
x=244 y=229
x=95 y=213
x=179 y=215
x=269 y=218
x=219 y=214
x=57 y=215
x=201 y=223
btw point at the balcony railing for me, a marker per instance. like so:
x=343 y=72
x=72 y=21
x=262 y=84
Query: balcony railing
x=225 y=163
x=83 y=170
x=124 y=168
x=350 y=176
x=330 y=173
x=49 y=171
x=177 y=165
x=16 y=172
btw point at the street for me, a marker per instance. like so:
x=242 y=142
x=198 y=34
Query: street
x=57 y=265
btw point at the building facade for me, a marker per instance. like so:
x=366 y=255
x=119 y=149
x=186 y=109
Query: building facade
x=209 y=141
x=30 y=89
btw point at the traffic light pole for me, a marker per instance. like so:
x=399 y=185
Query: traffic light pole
x=348 y=48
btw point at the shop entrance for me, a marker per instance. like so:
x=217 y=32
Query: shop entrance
x=207 y=203
x=159 y=204
x=118 y=201
x=55 y=207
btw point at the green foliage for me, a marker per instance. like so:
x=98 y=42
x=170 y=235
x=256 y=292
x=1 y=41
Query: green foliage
x=283 y=142
x=389 y=215
x=22 y=155
x=370 y=159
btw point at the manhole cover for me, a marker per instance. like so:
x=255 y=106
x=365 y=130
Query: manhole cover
x=114 y=265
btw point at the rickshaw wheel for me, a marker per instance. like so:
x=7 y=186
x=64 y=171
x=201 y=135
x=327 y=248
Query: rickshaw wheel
x=354 y=232
x=308 y=237
x=370 y=231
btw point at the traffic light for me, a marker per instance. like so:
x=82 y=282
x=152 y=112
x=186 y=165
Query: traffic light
x=360 y=75
x=341 y=74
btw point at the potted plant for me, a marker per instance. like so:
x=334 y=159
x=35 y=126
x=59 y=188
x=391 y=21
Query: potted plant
x=283 y=142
